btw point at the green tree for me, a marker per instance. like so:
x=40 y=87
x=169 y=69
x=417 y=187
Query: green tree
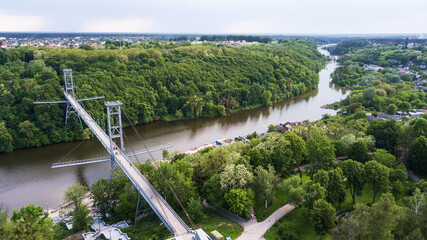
x=259 y=156
x=335 y=190
x=355 y=177
x=74 y=194
x=405 y=106
x=82 y=218
x=298 y=148
x=124 y=201
x=195 y=209
x=373 y=224
x=179 y=175
x=350 y=227
x=287 y=231
x=391 y=109
x=313 y=192
x=385 y=158
x=415 y=212
x=377 y=175
x=29 y=223
x=101 y=192
x=321 y=177
x=418 y=154
x=263 y=184
x=320 y=153
x=28 y=133
x=6 y=139
x=281 y=160
x=240 y=201
x=165 y=154
x=385 y=132
x=323 y=215
x=266 y=98
x=271 y=128
x=212 y=191
x=354 y=107
x=80 y=213
x=358 y=152
x=235 y=176
x=3 y=221
x=293 y=190
x=368 y=223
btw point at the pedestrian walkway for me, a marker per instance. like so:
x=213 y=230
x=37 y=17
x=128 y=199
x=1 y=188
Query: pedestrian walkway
x=413 y=176
x=255 y=230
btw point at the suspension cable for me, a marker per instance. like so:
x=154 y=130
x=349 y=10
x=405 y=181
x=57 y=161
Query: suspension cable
x=140 y=169
x=158 y=167
x=66 y=155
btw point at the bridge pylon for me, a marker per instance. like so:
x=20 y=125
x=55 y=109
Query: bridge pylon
x=115 y=130
x=69 y=88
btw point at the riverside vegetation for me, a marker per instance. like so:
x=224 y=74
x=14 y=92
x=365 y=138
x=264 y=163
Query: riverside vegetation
x=355 y=184
x=153 y=80
x=244 y=176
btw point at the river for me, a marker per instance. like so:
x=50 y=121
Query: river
x=26 y=175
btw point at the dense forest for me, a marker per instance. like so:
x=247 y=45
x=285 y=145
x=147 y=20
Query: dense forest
x=345 y=176
x=153 y=80
x=395 y=86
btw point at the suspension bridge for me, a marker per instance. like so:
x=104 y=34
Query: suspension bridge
x=161 y=208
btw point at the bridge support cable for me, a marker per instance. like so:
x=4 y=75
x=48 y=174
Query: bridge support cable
x=60 y=164
x=140 y=169
x=115 y=130
x=72 y=150
x=168 y=216
x=158 y=167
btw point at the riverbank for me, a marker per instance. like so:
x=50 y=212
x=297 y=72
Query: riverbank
x=60 y=213
x=45 y=186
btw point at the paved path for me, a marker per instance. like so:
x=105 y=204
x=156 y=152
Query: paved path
x=414 y=177
x=255 y=231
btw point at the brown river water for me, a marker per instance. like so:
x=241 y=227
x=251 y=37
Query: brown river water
x=26 y=175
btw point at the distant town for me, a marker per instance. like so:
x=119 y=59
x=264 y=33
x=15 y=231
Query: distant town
x=8 y=42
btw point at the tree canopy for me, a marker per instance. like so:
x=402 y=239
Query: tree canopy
x=153 y=80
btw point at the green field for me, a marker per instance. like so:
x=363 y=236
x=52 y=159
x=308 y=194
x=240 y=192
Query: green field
x=152 y=228
x=279 y=200
x=224 y=226
x=304 y=229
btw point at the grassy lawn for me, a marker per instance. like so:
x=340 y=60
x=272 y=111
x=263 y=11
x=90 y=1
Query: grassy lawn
x=224 y=226
x=152 y=228
x=366 y=197
x=279 y=200
x=304 y=229
x=262 y=213
x=149 y=227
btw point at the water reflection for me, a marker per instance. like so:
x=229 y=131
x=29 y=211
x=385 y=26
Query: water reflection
x=26 y=176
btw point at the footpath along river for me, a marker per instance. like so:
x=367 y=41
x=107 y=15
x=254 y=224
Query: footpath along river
x=26 y=175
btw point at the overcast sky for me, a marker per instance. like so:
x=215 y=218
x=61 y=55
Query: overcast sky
x=215 y=16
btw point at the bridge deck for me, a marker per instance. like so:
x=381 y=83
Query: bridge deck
x=169 y=217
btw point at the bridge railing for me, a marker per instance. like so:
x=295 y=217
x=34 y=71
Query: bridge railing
x=97 y=130
x=158 y=196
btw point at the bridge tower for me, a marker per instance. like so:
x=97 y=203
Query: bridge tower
x=115 y=130
x=69 y=88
